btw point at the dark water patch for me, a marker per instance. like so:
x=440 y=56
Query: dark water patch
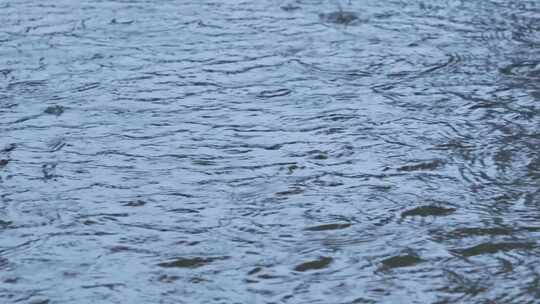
x=11 y=280
x=400 y=261
x=491 y=248
x=273 y=147
x=268 y=276
x=292 y=168
x=428 y=210
x=56 y=144
x=48 y=171
x=201 y=23
x=323 y=183
x=528 y=69
x=194 y=262
x=325 y=227
x=482 y=104
x=55 y=110
x=321 y=263
x=6 y=72
x=184 y=210
x=26 y=85
x=339 y=17
x=122 y=248
x=429 y=165
x=121 y=21
x=274 y=93
x=528 y=35
x=317 y=155
x=135 y=203
x=534 y=166
x=320 y=156
x=188 y=243
x=291 y=191
x=8 y=148
x=5 y=224
x=461 y=284
x=255 y=270
x=168 y=278
x=531 y=229
x=290 y=7
x=180 y=194
x=3 y=163
x=477 y=231
x=107 y=216
x=198 y=280
x=204 y=162
x=4 y=262
x=110 y=286
x=88 y=86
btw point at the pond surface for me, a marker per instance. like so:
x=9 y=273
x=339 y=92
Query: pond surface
x=381 y=151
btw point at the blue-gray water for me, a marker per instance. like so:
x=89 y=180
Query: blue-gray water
x=269 y=151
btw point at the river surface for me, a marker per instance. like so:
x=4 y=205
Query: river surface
x=377 y=151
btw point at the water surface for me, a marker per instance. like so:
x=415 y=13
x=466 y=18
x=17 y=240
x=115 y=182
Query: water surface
x=269 y=151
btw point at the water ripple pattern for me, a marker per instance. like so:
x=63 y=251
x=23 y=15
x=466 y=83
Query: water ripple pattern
x=301 y=151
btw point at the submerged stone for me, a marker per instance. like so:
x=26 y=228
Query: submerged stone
x=428 y=210
x=321 y=263
x=400 y=261
x=491 y=248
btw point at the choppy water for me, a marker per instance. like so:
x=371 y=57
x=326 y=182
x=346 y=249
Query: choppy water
x=269 y=151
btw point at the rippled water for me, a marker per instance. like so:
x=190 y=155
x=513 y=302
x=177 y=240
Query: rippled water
x=269 y=151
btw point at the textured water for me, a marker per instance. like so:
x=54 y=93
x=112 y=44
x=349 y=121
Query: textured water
x=382 y=151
